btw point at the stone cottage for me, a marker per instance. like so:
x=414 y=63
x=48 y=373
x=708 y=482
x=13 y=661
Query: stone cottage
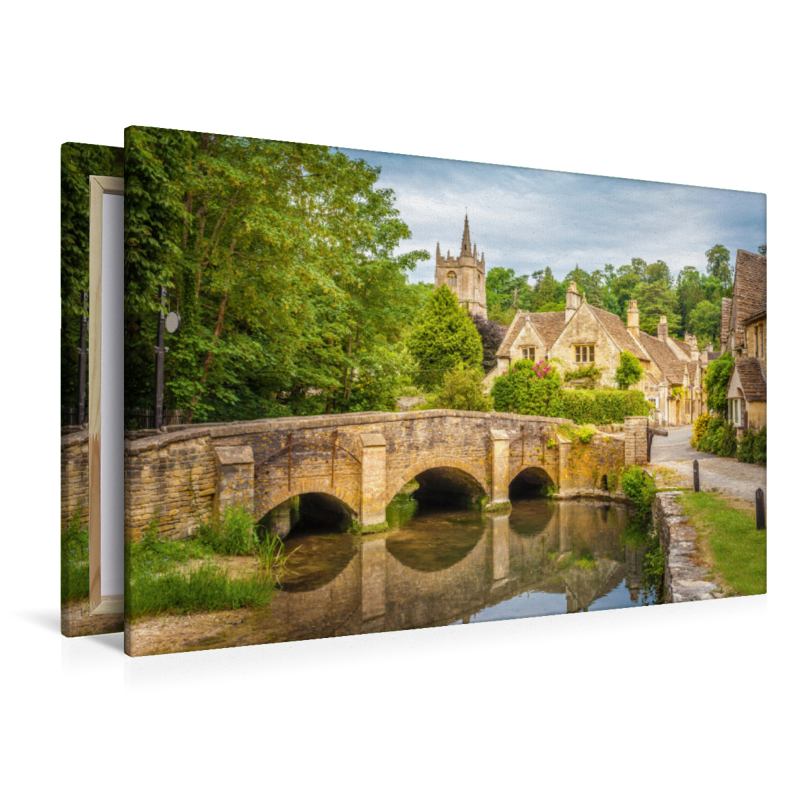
x=584 y=335
x=744 y=334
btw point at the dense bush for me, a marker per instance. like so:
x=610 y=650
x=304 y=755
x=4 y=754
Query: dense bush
x=463 y=390
x=717 y=377
x=719 y=438
x=529 y=388
x=629 y=371
x=699 y=430
x=753 y=447
x=536 y=389
x=640 y=488
x=603 y=406
x=233 y=534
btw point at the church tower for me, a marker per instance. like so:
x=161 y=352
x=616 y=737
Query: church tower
x=465 y=274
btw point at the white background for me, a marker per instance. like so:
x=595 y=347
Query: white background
x=677 y=701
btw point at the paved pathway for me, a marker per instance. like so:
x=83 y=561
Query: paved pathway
x=725 y=474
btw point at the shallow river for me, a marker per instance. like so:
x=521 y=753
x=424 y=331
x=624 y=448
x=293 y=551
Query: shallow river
x=454 y=567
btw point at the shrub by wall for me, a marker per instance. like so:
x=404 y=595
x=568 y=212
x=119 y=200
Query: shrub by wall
x=603 y=406
x=753 y=447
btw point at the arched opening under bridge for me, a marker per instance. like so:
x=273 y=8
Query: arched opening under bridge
x=311 y=512
x=447 y=487
x=529 y=483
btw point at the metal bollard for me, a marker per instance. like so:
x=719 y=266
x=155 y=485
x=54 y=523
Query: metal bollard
x=696 y=476
x=761 y=515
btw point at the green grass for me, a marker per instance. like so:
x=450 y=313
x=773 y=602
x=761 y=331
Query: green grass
x=161 y=577
x=738 y=551
x=75 y=560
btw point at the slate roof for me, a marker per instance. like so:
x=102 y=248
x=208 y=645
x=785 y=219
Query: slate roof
x=750 y=285
x=662 y=355
x=619 y=333
x=754 y=384
x=548 y=325
x=725 y=325
x=683 y=346
x=749 y=289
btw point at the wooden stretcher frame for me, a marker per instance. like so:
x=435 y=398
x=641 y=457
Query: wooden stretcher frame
x=98 y=187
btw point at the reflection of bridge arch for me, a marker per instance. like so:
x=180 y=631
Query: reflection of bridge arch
x=347 y=496
x=450 y=462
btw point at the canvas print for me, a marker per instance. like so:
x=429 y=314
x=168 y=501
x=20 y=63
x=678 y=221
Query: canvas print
x=83 y=610
x=369 y=392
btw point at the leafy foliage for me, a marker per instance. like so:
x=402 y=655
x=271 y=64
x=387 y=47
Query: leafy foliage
x=78 y=162
x=715 y=381
x=629 y=371
x=443 y=338
x=522 y=391
x=699 y=429
x=603 y=406
x=491 y=336
x=462 y=389
x=640 y=488
x=753 y=447
x=280 y=258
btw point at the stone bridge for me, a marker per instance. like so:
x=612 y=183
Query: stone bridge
x=362 y=460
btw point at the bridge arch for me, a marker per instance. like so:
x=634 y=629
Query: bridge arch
x=346 y=496
x=437 y=462
x=525 y=479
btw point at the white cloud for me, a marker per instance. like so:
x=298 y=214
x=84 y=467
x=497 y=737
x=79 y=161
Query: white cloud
x=527 y=219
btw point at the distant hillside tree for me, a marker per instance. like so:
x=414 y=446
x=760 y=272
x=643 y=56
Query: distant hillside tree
x=719 y=265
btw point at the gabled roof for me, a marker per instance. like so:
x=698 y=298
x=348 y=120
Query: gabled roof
x=551 y=324
x=683 y=346
x=661 y=353
x=548 y=324
x=619 y=333
x=751 y=375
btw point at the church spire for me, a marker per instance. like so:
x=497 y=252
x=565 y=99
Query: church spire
x=465 y=243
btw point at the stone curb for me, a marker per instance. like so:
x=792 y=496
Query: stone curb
x=684 y=581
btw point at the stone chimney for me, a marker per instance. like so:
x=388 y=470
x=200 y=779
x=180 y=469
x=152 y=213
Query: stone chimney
x=573 y=301
x=633 y=319
x=663 y=329
x=695 y=350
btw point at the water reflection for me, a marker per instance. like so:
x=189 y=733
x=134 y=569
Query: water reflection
x=452 y=567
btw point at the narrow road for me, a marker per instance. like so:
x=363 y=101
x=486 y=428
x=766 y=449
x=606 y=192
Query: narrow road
x=725 y=474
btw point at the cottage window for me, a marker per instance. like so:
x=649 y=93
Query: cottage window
x=735 y=411
x=584 y=353
x=451 y=280
x=529 y=352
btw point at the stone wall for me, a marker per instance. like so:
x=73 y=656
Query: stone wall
x=75 y=477
x=183 y=474
x=636 y=440
x=683 y=579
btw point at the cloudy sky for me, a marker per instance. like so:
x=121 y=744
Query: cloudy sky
x=528 y=219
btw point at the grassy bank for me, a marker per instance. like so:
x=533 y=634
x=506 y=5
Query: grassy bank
x=183 y=576
x=735 y=552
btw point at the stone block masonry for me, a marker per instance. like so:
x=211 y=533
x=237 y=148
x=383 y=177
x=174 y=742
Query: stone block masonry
x=683 y=579
x=187 y=472
x=636 y=440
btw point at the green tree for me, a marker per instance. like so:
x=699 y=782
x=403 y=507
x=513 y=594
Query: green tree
x=78 y=162
x=657 y=271
x=507 y=291
x=443 y=338
x=657 y=299
x=762 y=249
x=547 y=292
x=716 y=379
x=719 y=265
x=704 y=322
x=281 y=260
x=629 y=371
x=463 y=390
